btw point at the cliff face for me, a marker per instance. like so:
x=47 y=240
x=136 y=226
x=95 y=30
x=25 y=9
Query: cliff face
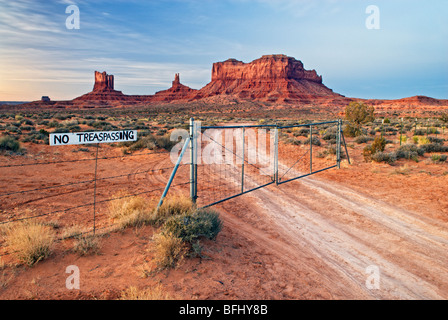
x=103 y=82
x=270 y=67
x=103 y=90
x=269 y=78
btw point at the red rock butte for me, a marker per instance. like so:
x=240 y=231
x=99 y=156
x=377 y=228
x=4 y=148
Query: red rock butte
x=275 y=78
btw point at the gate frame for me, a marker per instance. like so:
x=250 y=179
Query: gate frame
x=192 y=143
x=338 y=148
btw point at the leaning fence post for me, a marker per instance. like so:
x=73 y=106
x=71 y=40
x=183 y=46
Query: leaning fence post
x=173 y=173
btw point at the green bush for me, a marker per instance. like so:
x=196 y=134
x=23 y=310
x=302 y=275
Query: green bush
x=378 y=145
x=434 y=147
x=8 y=143
x=363 y=139
x=439 y=157
x=357 y=113
x=409 y=151
x=389 y=157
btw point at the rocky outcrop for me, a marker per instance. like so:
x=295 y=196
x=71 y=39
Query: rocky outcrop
x=269 y=67
x=103 y=90
x=103 y=82
x=269 y=78
x=178 y=91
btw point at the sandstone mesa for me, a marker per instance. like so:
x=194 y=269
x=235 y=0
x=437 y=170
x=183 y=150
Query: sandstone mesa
x=276 y=79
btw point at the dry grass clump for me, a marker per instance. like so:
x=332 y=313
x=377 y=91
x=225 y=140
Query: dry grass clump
x=87 y=245
x=130 y=211
x=150 y=293
x=173 y=206
x=30 y=242
x=169 y=250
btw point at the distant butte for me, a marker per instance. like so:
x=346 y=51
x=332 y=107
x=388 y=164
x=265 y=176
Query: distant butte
x=177 y=91
x=275 y=80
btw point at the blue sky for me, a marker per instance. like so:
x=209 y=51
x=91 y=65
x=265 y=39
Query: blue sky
x=144 y=43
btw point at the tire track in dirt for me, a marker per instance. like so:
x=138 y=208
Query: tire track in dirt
x=345 y=232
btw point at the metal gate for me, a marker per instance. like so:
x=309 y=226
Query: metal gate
x=306 y=149
x=229 y=161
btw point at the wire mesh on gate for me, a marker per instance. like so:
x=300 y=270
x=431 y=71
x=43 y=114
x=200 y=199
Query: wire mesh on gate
x=306 y=149
x=232 y=161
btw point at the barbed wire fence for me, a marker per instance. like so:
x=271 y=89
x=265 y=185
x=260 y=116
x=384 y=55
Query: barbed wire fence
x=73 y=195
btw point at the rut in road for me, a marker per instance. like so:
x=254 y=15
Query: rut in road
x=337 y=233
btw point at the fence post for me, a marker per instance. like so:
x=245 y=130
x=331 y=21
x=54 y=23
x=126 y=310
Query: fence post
x=94 y=189
x=311 y=148
x=338 y=147
x=193 y=169
x=276 y=155
x=242 y=165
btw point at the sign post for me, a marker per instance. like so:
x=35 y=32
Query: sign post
x=74 y=138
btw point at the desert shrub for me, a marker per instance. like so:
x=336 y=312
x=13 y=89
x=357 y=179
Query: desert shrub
x=409 y=151
x=419 y=132
x=438 y=157
x=292 y=141
x=363 y=139
x=315 y=141
x=31 y=242
x=357 y=114
x=169 y=250
x=434 y=147
x=329 y=136
x=173 y=206
x=150 y=293
x=8 y=143
x=378 y=145
x=150 y=142
x=86 y=245
x=304 y=132
x=130 y=211
x=389 y=157
x=192 y=226
x=435 y=140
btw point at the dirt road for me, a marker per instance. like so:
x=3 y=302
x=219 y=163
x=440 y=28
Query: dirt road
x=358 y=246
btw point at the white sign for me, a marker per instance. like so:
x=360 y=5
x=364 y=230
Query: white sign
x=63 y=139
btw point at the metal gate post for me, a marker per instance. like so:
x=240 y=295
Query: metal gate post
x=276 y=155
x=338 y=147
x=311 y=148
x=242 y=166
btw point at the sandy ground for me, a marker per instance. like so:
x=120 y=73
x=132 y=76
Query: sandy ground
x=318 y=237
